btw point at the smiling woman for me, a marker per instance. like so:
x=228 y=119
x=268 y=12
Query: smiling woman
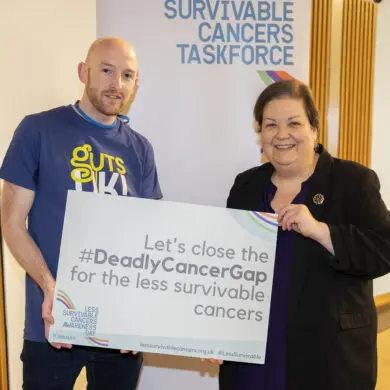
x=333 y=240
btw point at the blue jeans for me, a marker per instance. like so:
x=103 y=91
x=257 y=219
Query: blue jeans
x=46 y=368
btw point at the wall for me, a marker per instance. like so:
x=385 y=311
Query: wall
x=381 y=132
x=42 y=42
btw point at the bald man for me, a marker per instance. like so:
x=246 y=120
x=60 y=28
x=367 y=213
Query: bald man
x=85 y=146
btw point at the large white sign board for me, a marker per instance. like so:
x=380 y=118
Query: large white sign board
x=164 y=277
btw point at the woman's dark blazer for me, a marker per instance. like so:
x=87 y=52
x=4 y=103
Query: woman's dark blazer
x=332 y=322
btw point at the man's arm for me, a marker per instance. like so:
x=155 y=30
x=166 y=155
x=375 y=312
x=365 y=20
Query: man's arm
x=16 y=205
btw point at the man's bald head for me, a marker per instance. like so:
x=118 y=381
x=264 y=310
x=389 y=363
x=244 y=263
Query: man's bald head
x=102 y=45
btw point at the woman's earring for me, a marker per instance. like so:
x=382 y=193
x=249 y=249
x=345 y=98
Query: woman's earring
x=261 y=150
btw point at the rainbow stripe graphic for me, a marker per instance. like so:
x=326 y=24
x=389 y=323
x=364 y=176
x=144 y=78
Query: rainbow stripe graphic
x=264 y=220
x=65 y=300
x=99 y=342
x=272 y=76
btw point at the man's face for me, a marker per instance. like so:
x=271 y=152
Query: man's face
x=111 y=77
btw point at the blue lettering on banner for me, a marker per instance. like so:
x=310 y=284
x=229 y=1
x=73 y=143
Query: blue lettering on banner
x=231 y=54
x=236 y=31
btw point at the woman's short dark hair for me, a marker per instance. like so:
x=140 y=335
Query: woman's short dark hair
x=290 y=89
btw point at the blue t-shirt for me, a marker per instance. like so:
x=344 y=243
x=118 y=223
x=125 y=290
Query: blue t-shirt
x=56 y=151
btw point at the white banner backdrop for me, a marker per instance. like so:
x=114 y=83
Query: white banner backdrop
x=202 y=65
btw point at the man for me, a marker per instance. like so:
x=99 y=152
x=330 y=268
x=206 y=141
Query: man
x=86 y=146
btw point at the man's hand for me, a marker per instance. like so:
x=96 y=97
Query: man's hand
x=47 y=307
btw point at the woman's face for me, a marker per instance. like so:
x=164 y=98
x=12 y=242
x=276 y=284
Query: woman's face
x=286 y=135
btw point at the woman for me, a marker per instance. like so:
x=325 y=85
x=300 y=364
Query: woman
x=333 y=239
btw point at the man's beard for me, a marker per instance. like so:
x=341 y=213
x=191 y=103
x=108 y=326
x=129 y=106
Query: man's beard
x=99 y=104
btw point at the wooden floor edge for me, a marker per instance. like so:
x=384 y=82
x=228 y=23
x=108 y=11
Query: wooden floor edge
x=382 y=302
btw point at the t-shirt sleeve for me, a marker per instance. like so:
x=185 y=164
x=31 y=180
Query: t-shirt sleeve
x=150 y=182
x=21 y=162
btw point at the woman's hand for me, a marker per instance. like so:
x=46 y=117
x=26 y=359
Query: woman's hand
x=297 y=217
x=214 y=361
x=124 y=351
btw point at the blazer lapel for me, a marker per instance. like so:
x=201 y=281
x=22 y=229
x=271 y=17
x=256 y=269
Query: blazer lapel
x=260 y=185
